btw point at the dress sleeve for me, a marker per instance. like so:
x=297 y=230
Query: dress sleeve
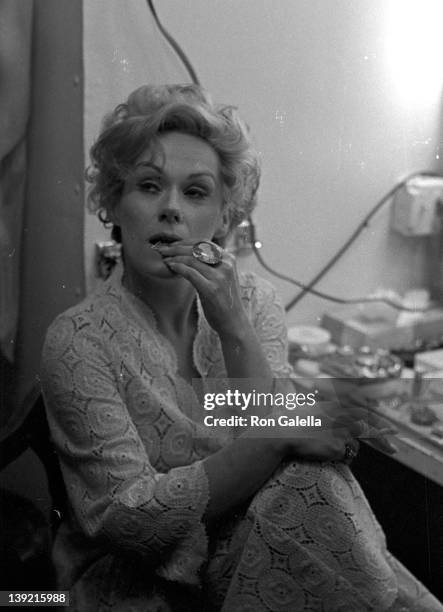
x=118 y=498
x=270 y=326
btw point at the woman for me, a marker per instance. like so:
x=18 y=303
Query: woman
x=163 y=515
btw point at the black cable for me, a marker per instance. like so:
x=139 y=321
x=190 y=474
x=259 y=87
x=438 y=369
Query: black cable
x=327 y=296
x=174 y=44
x=308 y=288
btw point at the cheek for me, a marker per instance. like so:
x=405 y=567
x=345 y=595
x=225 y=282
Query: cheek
x=203 y=228
x=208 y=218
x=134 y=219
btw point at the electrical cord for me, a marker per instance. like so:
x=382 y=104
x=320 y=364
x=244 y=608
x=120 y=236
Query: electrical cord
x=332 y=298
x=309 y=287
x=174 y=44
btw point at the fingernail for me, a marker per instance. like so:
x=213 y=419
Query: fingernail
x=388 y=430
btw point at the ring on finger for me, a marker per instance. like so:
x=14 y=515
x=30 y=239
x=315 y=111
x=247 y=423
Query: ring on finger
x=207 y=252
x=350 y=453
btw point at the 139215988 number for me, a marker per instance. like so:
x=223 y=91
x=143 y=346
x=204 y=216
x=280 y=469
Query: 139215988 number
x=36 y=598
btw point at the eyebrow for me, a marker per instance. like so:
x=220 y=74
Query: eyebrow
x=147 y=164
x=202 y=173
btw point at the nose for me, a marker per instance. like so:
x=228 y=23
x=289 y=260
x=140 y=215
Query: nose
x=170 y=208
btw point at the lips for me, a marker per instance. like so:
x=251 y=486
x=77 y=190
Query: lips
x=163 y=238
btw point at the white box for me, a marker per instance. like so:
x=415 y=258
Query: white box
x=414 y=211
x=429 y=361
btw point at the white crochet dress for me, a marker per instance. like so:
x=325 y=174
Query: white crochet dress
x=123 y=422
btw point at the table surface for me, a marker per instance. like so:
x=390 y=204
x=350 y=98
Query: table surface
x=418 y=449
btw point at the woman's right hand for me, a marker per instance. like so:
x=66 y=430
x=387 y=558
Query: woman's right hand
x=340 y=426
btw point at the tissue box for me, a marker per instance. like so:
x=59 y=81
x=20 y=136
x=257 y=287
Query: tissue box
x=429 y=361
x=347 y=327
x=414 y=211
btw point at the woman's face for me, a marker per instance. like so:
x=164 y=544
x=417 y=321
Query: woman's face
x=173 y=194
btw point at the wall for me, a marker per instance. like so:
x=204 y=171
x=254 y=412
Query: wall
x=344 y=99
x=122 y=49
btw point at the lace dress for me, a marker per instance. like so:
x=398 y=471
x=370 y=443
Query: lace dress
x=123 y=422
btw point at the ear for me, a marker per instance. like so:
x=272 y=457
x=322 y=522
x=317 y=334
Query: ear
x=224 y=224
x=113 y=216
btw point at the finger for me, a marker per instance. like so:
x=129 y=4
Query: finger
x=315 y=450
x=339 y=448
x=358 y=421
x=355 y=445
x=374 y=438
x=360 y=413
x=377 y=439
x=206 y=270
x=189 y=260
x=379 y=422
x=175 y=248
x=363 y=417
x=192 y=263
x=342 y=410
x=193 y=276
x=383 y=444
x=350 y=450
x=365 y=430
x=388 y=431
x=334 y=418
x=365 y=413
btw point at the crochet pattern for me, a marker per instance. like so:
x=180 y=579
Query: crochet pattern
x=132 y=453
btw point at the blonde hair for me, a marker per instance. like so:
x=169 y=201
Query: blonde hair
x=153 y=110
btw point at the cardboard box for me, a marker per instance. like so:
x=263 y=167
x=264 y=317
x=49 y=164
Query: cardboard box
x=414 y=207
x=348 y=327
x=429 y=361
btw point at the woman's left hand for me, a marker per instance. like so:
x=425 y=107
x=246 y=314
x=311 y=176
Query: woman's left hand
x=217 y=285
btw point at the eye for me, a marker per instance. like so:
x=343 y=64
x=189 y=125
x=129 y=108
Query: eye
x=196 y=192
x=149 y=186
